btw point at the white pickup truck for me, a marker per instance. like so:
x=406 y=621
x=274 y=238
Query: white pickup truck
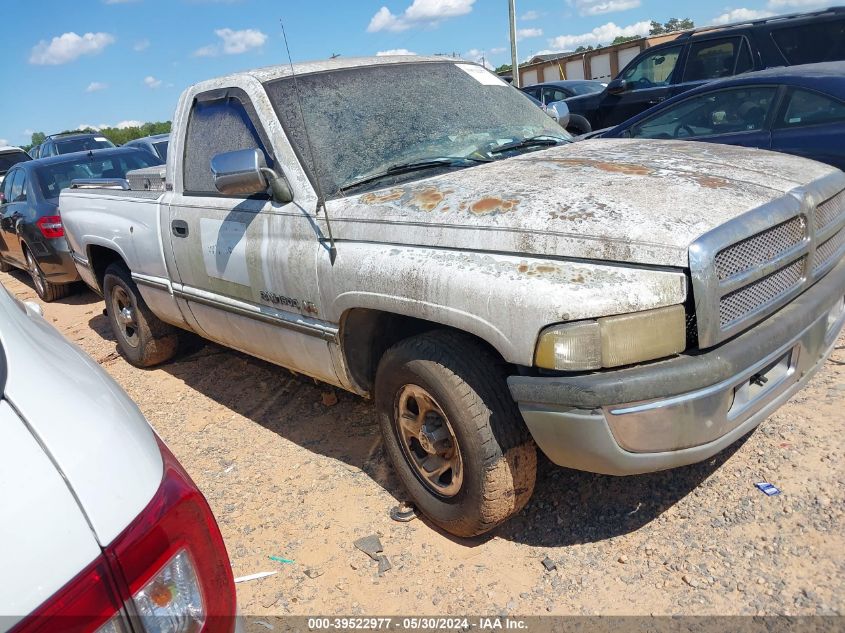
x=414 y=230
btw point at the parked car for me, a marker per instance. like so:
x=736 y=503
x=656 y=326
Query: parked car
x=156 y=144
x=556 y=91
x=9 y=157
x=101 y=521
x=704 y=54
x=626 y=305
x=31 y=234
x=69 y=142
x=798 y=110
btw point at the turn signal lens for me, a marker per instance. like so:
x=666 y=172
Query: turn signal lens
x=613 y=341
x=171 y=602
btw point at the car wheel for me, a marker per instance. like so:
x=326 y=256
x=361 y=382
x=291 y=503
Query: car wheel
x=46 y=290
x=578 y=125
x=452 y=432
x=142 y=338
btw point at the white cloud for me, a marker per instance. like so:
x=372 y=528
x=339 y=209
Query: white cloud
x=119 y=126
x=152 y=82
x=68 y=47
x=4 y=141
x=395 y=51
x=419 y=13
x=497 y=50
x=598 y=7
x=603 y=34
x=529 y=15
x=96 y=86
x=740 y=15
x=141 y=45
x=479 y=57
x=125 y=124
x=522 y=34
x=233 y=42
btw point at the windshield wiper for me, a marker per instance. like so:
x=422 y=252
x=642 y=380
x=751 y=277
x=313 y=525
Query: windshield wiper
x=417 y=165
x=533 y=141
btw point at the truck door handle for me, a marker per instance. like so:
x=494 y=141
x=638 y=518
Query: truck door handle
x=180 y=228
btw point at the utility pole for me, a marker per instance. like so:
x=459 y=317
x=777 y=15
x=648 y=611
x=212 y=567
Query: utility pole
x=514 y=58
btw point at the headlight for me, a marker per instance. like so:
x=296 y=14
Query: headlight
x=613 y=341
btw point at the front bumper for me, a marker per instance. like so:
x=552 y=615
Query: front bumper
x=686 y=409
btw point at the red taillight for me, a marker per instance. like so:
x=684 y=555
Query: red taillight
x=82 y=605
x=169 y=567
x=51 y=226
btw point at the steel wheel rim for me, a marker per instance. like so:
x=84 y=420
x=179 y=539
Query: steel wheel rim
x=124 y=314
x=35 y=273
x=428 y=441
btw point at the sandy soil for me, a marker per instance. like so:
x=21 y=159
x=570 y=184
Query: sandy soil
x=288 y=476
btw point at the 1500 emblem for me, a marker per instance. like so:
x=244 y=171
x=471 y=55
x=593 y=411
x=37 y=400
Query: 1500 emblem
x=279 y=300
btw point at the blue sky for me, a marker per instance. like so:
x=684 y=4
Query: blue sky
x=105 y=62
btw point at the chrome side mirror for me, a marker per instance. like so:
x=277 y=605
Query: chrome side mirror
x=559 y=111
x=245 y=172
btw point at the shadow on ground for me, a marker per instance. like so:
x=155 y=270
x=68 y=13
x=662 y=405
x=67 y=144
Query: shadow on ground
x=568 y=506
x=80 y=293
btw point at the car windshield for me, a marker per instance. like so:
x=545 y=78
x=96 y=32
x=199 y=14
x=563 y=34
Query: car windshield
x=368 y=119
x=586 y=88
x=7 y=161
x=82 y=144
x=161 y=149
x=53 y=177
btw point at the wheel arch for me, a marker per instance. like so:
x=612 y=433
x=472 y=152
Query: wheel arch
x=100 y=257
x=367 y=333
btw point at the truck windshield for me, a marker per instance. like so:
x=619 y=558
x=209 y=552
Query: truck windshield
x=369 y=119
x=82 y=144
x=55 y=176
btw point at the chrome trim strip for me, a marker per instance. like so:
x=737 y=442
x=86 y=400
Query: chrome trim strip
x=159 y=283
x=296 y=322
x=79 y=259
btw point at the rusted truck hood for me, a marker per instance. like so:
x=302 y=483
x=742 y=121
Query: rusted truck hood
x=622 y=200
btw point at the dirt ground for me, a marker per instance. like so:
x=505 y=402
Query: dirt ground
x=290 y=477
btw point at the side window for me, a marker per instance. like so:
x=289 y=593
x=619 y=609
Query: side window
x=744 y=62
x=711 y=59
x=653 y=69
x=7 y=185
x=550 y=95
x=810 y=108
x=214 y=127
x=726 y=111
x=810 y=43
x=534 y=92
x=17 y=187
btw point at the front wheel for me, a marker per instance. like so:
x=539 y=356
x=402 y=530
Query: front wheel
x=452 y=432
x=142 y=338
x=578 y=125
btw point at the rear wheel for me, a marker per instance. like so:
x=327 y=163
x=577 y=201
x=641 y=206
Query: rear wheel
x=455 y=437
x=142 y=338
x=46 y=290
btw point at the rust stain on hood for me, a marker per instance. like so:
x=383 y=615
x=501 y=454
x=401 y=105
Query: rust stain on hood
x=622 y=200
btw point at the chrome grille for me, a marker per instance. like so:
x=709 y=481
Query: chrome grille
x=829 y=210
x=749 y=267
x=828 y=249
x=737 y=304
x=760 y=248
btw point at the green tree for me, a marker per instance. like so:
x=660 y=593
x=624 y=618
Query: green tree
x=504 y=68
x=671 y=25
x=582 y=49
x=621 y=39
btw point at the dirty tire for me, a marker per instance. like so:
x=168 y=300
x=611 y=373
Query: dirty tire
x=499 y=457
x=151 y=341
x=46 y=290
x=578 y=125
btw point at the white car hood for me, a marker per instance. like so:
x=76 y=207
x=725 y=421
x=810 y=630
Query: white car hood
x=620 y=200
x=94 y=433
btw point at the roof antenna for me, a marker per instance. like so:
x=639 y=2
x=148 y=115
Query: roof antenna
x=321 y=199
